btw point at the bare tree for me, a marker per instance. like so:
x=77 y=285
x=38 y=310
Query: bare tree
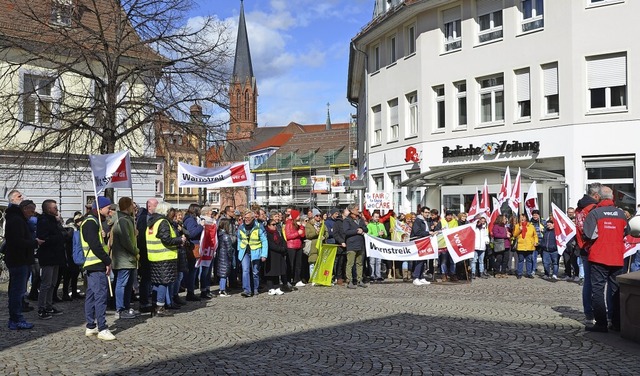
x=93 y=76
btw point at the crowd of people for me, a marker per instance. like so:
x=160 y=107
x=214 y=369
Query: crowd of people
x=155 y=253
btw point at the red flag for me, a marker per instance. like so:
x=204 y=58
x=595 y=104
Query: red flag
x=474 y=209
x=427 y=246
x=494 y=215
x=485 y=208
x=514 y=198
x=461 y=242
x=531 y=201
x=564 y=228
x=631 y=245
x=505 y=189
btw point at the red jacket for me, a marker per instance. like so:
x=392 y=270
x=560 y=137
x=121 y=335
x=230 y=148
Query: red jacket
x=294 y=239
x=607 y=226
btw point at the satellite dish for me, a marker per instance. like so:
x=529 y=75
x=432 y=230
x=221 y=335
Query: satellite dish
x=634 y=224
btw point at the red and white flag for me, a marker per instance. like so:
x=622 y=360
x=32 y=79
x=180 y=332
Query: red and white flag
x=208 y=244
x=564 y=228
x=485 y=207
x=631 y=246
x=505 y=189
x=516 y=193
x=494 y=215
x=235 y=175
x=111 y=171
x=531 y=201
x=461 y=242
x=475 y=208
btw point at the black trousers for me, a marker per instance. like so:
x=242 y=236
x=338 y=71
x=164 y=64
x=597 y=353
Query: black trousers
x=294 y=256
x=601 y=276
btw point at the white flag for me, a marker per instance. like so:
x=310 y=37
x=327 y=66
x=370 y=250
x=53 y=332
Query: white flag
x=235 y=175
x=564 y=228
x=505 y=188
x=474 y=209
x=514 y=198
x=485 y=202
x=111 y=171
x=531 y=202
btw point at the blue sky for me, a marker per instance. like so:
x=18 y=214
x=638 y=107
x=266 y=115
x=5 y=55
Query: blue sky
x=300 y=54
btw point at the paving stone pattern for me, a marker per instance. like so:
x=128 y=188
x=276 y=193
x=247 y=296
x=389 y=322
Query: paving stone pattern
x=489 y=327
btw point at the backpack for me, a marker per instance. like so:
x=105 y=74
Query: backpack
x=78 y=254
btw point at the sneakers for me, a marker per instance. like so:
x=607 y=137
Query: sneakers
x=106 y=335
x=363 y=285
x=162 y=312
x=44 y=315
x=91 y=332
x=271 y=292
x=134 y=312
x=223 y=294
x=351 y=286
x=300 y=284
x=20 y=325
x=417 y=282
x=245 y=294
x=278 y=291
x=54 y=312
x=206 y=295
x=126 y=315
x=576 y=279
x=424 y=282
x=554 y=277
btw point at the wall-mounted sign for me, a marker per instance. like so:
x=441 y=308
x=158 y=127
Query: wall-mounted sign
x=337 y=184
x=411 y=155
x=303 y=181
x=491 y=148
x=319 y=184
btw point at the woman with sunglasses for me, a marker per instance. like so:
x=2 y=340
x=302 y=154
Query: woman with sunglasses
x=275 y=267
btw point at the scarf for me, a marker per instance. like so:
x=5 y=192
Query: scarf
x=523 y=229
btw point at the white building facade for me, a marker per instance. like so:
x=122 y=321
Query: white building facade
x=474 y=86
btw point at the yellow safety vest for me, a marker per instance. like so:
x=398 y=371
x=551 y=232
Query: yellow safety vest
x=90 y=257
x=253 y=240
x=155 y=249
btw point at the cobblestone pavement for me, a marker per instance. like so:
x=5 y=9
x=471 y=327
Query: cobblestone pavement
x=489 y=327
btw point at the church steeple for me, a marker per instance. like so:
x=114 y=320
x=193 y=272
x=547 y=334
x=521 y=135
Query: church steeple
x=243 y=90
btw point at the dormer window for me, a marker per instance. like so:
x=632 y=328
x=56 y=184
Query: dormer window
x=61 y=12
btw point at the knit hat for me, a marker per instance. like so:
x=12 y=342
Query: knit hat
x=315 y=212
x=334 y=211
x=295 y=214
x=102 y=202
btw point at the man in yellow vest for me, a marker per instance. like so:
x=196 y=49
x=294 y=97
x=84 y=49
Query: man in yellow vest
x=98 y=267
x=252 y=250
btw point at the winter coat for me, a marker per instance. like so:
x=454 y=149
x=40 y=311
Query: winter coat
x=124 y=248
x=193 y=226
x=164 y=272
x=482 y=237
x=338 y=235
x=256 y=254
x=548 y=242
x=355 y=241
x=420 y=229
x=500 y=232
x=225 y=254
x=276 y=264
x=311 y=234
x=294 y=238
x=20 y=243
x=51 y=252
x=183 y=259
x=607 y=227
x=328 y=224
x=528 y=244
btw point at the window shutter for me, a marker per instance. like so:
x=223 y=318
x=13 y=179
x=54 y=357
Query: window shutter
x=522 y=82
x=450 y=15
x=607 y=71
x=488 y=6
x=550 y=73
x=393 y=112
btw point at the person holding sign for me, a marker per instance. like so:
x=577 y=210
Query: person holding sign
x=376 y=229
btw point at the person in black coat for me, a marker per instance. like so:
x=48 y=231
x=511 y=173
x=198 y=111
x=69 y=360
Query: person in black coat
x=354 y=230
x=275 y=267
x=19 y=258
x=225 y=254
x=341 y=255
x=51 y=255
x=420 y=229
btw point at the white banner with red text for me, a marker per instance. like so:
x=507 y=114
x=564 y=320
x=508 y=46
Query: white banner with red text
x=419 y=249
x=111 y=171
x=234 y=175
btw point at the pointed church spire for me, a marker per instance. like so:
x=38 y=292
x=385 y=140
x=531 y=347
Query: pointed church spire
x=242 y=68
x=328 y=126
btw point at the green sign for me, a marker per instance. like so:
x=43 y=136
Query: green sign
x=303 y=181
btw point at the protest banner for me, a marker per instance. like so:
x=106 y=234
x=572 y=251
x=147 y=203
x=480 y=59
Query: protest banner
x=110 y=171
x=208 y=244
x=323 y=269
x=234 y=175
x=419 y=249
x=461 y=242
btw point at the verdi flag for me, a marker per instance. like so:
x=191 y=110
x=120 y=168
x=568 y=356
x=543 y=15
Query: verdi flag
x=485 y=209
x=531 y=201
x=474 y=209
x=631 y=246
x=505 y=188
x=208 y=244
x=110 y=171
x=494 y=215
x=461 y=242
x=564 y=228
x=323 y=269
x=514 y=199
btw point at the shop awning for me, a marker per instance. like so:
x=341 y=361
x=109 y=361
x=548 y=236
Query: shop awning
x=451 y=175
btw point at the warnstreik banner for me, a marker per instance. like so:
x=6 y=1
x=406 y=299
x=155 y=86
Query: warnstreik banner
x=419 y=249
x=111 y=170
x=235 y=175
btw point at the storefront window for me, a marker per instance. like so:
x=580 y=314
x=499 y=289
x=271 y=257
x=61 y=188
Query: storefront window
x=452 y=203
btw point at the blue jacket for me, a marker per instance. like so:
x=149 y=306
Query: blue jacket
x=193 y=228
x=256 y=254
x=548 y=242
